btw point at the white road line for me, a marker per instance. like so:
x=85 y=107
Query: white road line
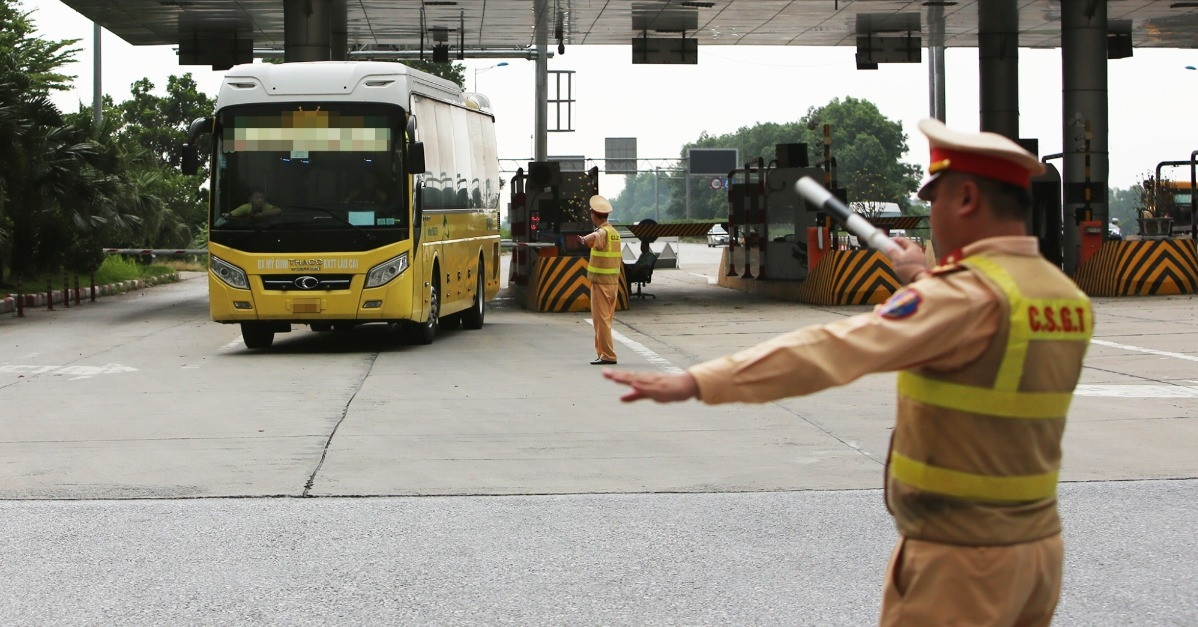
x=1139 y=391
x=711 y=280
x=660 y=362
x=1140 y=349
x=1136 y=391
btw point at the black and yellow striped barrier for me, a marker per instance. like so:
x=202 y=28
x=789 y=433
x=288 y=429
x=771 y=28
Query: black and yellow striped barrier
x=850 y=277
x=560 y=284
x=1141 y=268
x=671 y=229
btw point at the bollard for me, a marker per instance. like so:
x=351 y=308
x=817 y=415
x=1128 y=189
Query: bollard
x=761 y=257
x=49 y=295
x=20 y=299
x=750 y=240
x=66 y=291
x=732 y=234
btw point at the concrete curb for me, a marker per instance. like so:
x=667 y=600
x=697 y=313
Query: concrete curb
x=37 y=300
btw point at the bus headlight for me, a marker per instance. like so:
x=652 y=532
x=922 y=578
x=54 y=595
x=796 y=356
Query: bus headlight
x=389 y=269
x=229 y=273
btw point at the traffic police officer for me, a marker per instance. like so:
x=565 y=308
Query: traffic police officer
x=989 y=345
x=603 y=271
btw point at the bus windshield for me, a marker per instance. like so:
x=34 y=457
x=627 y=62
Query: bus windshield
x=302 y=168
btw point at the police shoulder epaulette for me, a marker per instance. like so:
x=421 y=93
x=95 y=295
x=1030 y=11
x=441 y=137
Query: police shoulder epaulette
x=947 y=268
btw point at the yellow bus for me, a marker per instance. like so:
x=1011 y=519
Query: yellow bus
x=349 y=192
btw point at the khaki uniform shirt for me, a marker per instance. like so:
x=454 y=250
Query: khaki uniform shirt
x=958 y=317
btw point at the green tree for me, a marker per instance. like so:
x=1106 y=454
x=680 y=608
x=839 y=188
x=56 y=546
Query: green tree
x=171 y=209
x=455 y=72
x=38 y=59
x=645 y=195
x=42 y=160
x=160 y=122
x=1123 y=204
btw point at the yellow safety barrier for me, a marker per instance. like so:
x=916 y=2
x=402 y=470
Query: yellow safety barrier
x=560 y=284
x=850 y=277
x=1141 y=268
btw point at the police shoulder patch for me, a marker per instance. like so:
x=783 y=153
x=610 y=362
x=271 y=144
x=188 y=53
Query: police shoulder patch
x=903 y=304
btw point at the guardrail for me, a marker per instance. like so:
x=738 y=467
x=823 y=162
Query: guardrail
x=156 y=251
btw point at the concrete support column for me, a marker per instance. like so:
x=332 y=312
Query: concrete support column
x=1083 y=120
x=541 y=119
x=998 y=66
x=936 y=62
x=97 y=85
x=339 y=38
x=307 y=30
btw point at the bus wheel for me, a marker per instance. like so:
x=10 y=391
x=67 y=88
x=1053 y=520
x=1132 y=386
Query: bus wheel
x=257 y=335
x=473 y=318
x=425 y=332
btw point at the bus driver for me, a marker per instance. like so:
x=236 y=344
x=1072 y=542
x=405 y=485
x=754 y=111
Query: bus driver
x=257 y=207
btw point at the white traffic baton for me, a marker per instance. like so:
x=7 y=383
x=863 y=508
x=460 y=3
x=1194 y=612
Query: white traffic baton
x=823 y=199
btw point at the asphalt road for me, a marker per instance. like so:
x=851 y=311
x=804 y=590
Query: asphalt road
x=154 y=471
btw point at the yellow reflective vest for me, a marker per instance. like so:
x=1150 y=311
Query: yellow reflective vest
x=605 y=265
x=975 y=452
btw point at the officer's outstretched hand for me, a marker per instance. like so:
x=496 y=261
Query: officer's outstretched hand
x=911 y=262
x=658 y=386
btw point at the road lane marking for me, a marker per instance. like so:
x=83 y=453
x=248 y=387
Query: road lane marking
x=1136 y=391
x=661 y=363
x=1140 y=349
x=75 y=372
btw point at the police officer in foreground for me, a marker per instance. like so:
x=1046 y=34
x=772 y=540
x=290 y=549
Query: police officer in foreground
x=603 y=271
x=989 y=347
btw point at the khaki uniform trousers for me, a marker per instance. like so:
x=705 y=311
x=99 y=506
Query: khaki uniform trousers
x=603 y=311
x=928 y=583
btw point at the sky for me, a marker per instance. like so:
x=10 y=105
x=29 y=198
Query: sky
x=1151 y=95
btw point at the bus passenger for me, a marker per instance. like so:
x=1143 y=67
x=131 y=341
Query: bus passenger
x=257 y=207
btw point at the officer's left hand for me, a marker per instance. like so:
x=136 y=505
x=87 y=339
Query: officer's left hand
x=658 y=386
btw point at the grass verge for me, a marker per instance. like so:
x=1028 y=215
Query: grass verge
x=116 y=268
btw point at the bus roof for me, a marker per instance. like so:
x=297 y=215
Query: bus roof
x=373 y=81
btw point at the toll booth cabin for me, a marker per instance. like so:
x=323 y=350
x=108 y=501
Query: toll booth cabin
x=1156 y=256
x=549 y=209
x=780 y=246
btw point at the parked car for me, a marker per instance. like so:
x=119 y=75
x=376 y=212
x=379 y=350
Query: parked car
x=717 y=236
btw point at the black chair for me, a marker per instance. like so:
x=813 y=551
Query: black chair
x=640 y=273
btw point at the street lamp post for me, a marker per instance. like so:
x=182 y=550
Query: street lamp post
x=484 y=69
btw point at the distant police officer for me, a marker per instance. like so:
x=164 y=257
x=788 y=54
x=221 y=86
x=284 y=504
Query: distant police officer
x=604 y=273
x=989 y=345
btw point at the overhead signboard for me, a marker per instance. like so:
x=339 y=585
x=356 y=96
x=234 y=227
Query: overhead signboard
x=665 y=50
x=619 y=155
x=719 y=161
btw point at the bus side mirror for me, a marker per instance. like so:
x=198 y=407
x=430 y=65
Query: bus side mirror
x=191 y=160
x=416 y=158
x=190 y=163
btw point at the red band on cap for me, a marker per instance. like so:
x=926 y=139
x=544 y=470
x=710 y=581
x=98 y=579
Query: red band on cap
x=986 y=166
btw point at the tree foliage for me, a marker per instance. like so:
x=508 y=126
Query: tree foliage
x=455 y=72
x=69 y=185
